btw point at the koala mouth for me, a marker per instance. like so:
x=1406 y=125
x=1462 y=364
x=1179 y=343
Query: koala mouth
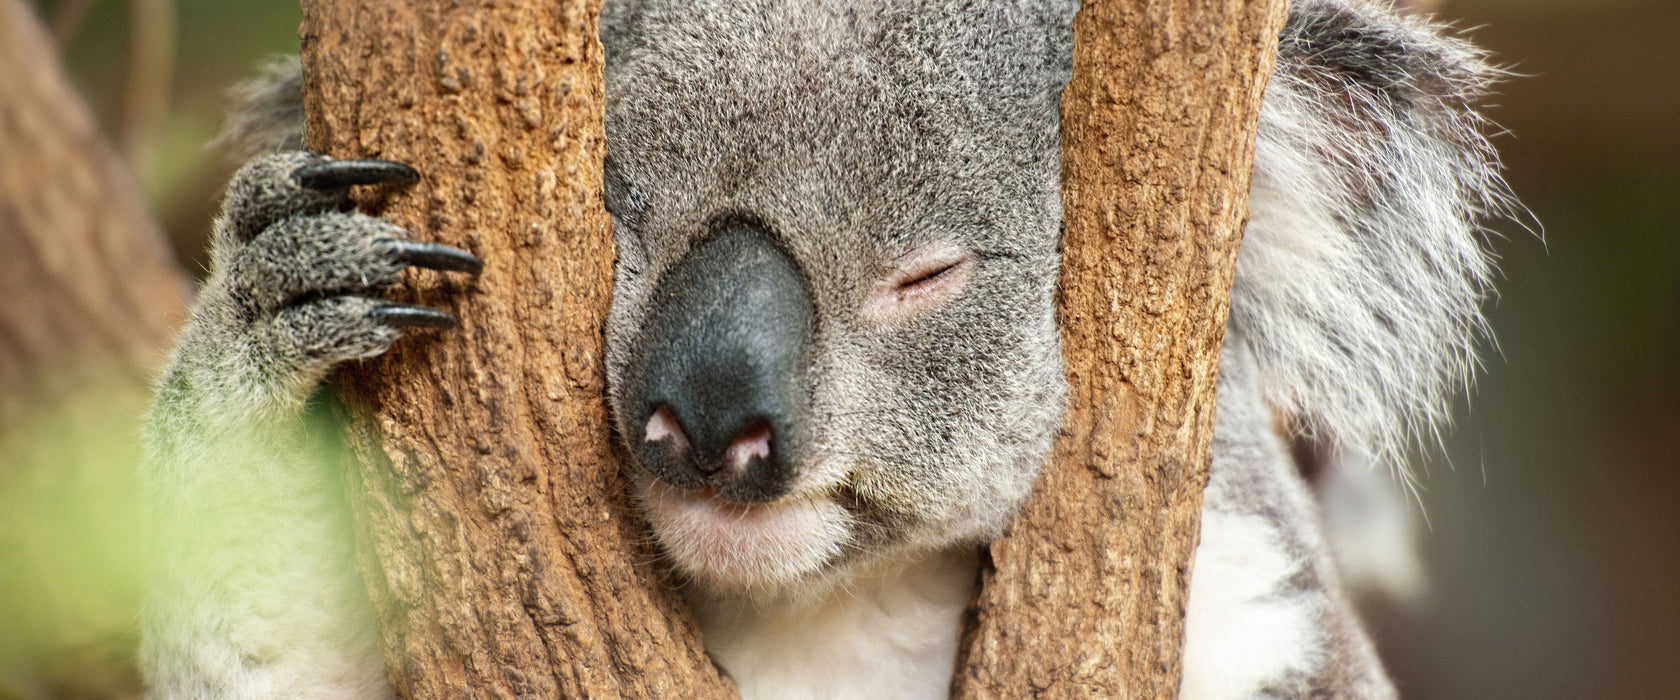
x=731 y=545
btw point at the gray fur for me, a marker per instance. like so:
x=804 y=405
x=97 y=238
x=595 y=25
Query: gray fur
x=1362 y=270
x=252 y=590
x=883 y=129
x=266 y=114
x=1268 y=616
x=856 y=133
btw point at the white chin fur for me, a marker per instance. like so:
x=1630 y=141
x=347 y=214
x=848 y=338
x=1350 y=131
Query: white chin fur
x=757 y=547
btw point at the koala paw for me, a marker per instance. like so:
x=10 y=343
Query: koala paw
x=298 y=272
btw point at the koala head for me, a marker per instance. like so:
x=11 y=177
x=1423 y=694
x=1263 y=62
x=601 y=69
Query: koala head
x=832 y=339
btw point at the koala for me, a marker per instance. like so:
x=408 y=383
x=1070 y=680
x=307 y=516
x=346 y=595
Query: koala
x=832 y=349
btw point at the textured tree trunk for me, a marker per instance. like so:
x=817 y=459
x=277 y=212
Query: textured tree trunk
x=500 y=554
x=1085 y=594
x=89 y=300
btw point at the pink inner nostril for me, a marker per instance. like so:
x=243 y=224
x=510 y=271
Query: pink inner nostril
x=752 y=442
x=662 y=426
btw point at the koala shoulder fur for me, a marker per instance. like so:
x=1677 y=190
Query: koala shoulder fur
x=832 y=350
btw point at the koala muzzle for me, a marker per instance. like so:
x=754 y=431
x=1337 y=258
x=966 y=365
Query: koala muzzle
x=718 y=384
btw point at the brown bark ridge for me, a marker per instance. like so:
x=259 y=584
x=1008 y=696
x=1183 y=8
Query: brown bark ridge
x=1084 y=596
x=499 y=550
x=86 y=277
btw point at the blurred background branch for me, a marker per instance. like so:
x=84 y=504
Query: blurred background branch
x=151 y=65
x=67 y=18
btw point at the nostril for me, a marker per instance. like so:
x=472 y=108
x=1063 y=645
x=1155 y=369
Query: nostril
x=750 y=443
x=662 y=426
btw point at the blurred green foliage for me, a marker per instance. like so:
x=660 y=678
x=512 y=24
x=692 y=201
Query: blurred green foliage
x=72 y=543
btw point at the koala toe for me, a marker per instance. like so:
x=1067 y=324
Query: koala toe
x=265 y=191
x=317 y=334
x=279 y=186
x=309 y=257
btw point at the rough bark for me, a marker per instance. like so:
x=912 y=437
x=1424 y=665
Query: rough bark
x=501 y=554
x=89 y=300
x=1085 y=594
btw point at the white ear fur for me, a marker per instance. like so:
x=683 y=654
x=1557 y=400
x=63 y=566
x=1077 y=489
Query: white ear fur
x=1362 y=270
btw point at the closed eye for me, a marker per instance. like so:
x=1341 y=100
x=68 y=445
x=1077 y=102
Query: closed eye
x=929 y=278
x=925 y=280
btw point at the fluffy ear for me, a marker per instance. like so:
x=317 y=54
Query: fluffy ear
x=1363 y=268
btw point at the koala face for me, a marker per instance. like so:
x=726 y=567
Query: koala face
x=832 y=337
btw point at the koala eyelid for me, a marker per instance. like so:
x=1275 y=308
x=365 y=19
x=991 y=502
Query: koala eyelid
x=930 y=278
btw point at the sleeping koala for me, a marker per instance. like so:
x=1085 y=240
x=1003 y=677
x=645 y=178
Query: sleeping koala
x=832 y=350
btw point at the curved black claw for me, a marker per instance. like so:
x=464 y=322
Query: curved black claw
x=411 y=316
x=337 y=174
x=435 y=256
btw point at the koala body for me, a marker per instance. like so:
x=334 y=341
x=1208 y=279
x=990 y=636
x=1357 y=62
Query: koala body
x=832 y=349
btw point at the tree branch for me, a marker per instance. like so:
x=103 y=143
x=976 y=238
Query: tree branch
x=1085 y=594
x=500 y=551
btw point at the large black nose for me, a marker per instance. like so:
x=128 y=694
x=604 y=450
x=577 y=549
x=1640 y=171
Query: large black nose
x=717 y=386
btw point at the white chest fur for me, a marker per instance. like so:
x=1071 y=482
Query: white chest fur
x=889 y=634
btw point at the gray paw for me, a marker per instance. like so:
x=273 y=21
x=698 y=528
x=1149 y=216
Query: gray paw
x=299 y=272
